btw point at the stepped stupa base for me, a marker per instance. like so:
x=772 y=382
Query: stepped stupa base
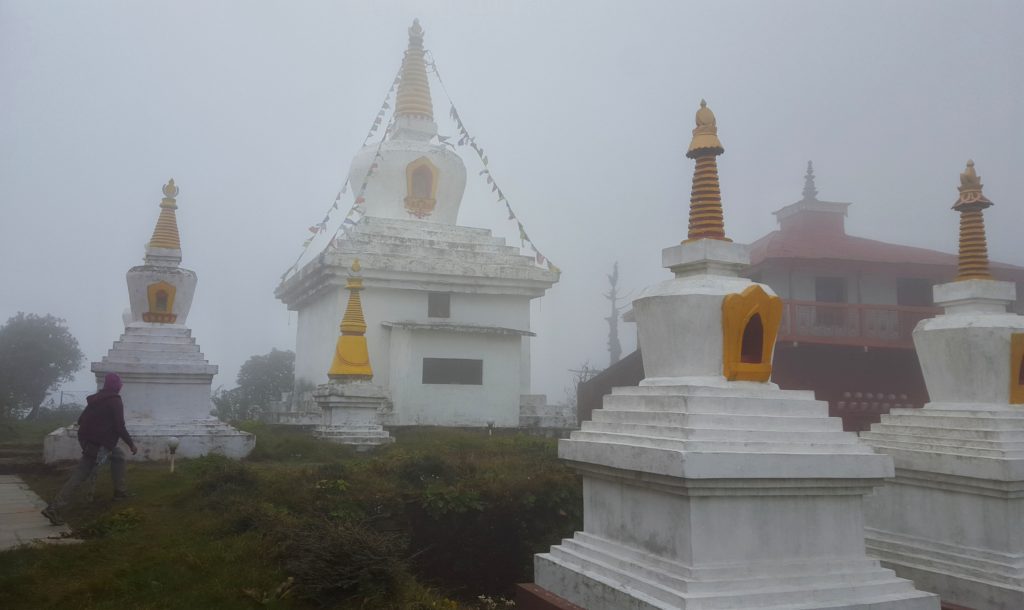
x=950 y=520
x=598 y=574
x=361 y=437
x=196 y=438
x=352 y=412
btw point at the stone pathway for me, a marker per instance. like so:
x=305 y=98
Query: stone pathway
x=20 y=521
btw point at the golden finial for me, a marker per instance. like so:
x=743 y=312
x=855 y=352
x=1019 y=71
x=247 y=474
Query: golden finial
x=413 y=97
x=351 y=354
x=165 y=234
x=973 y=262
x=705 y=197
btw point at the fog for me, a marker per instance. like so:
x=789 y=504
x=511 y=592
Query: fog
x=585 y=109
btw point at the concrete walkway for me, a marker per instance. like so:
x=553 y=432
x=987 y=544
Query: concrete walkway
x=20 y=521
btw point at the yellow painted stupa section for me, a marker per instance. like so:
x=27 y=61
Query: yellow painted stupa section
x=973 y=262
x=706 y=221
x=1017 y=369
x=351 y=354
x=165 y=235
x=161 y=303
x=413 y=97
x=750 y=324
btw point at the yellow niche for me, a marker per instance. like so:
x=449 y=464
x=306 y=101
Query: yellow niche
x=1017 y=369
x=750 y=323
x=421 y=187
x=161 y=303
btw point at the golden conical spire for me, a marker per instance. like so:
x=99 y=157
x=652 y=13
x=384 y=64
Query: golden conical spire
x=973 y=248
x=705 y=197
x=413 y=98
x=165 y=235
x=351 y=355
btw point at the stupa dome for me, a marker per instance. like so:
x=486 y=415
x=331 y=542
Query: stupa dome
x=414 y=177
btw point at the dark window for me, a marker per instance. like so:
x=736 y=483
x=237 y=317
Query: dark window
x=914 y=292
x=830 y=289
x=439 y=305
x=460 y=371
x=422 y=183
x=752 y=350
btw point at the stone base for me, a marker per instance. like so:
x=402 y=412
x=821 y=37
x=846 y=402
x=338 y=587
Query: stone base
x=361 y=437
x=196 y=439
x=950 y=519
x=601 y=575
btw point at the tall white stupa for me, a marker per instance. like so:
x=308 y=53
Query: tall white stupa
x=707 y=486
x=952 y=517
x=167 y=380
x=447 y=307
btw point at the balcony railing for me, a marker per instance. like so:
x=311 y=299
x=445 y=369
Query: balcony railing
x=851 y=323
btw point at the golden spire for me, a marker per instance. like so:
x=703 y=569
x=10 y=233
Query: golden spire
x=973 y=249
x=165 y=235
x=351 y=356
x=705 y=197
x=413 y=98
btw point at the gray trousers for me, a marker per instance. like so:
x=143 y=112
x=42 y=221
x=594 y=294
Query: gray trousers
x=93 y=457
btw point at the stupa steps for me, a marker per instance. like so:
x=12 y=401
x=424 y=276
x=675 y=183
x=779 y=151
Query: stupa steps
x=755 y=391
x=419 y=228
x=939 y=432
x=711 y=434
x=685 y=579
x=779 y=594
x=440 y=253
x=924 y=420
x=731 y=421
x=157 y=330
x=154 y=356
x=972 y=563
x=1014 y=450
x=139 y=346
x=394 y=243
x=456 y=267
x=795 y=445
x=716 y=405
x=198 y=427
x=134 y=339
x=721 y=572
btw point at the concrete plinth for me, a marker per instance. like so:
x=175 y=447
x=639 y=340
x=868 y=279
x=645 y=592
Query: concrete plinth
x=197 y=438
x=352 y=414
x=740 y=496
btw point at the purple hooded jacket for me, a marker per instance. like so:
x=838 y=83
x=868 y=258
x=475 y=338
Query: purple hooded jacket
x=102 y=421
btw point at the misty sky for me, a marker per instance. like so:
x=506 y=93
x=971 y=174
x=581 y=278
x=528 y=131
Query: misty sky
x=585 y=109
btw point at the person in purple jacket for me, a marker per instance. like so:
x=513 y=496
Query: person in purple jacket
x=100 y=427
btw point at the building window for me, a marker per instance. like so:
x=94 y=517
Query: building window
x=439 y=305
x=460 y=371
x=830 y=290
x=913 y=292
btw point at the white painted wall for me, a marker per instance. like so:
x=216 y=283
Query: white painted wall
x=506 y=373
x=417 y=403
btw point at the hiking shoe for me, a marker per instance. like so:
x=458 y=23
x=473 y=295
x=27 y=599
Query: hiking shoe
x=121 y=495
x=51 y=513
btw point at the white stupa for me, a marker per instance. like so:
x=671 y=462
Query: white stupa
x=167 y=380
x=952 y=518
x=707 y=486
x=447 y=307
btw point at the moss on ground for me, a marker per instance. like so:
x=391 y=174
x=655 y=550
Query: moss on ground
x=304 y=523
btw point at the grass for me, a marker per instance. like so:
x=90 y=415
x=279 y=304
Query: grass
x=304 y=523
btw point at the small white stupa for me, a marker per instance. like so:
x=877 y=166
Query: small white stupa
x=167 y=380
x=952 y=518
x=352 y=406
x=707 y=486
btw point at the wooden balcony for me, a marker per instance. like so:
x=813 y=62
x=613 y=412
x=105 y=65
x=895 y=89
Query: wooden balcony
x=851 y=324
